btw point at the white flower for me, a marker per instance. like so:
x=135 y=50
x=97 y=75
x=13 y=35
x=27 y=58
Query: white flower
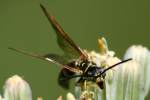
x=131 y=80
x=141 y=56
x=17 y=89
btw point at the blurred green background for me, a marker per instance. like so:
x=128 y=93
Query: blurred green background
x=23 y=25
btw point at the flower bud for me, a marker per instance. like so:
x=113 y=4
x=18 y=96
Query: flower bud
x=70 y=96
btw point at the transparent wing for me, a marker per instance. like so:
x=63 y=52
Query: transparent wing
x=57 y=58
x=54 y=58
x=64 y=41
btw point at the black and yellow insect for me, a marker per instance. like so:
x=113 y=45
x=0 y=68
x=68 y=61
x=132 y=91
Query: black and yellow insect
x=74 y=62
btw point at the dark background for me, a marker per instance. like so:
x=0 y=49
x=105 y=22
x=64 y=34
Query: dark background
x=23 y=25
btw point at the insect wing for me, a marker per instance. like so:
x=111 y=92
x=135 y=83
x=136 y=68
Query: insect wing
x=54 y=58
x=64 y=41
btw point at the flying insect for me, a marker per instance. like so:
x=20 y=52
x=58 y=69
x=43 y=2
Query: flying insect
x=75 y=62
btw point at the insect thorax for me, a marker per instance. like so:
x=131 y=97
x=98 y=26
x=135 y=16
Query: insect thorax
x=83 y=65
x=89 y=68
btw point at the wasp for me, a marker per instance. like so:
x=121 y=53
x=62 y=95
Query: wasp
x=74 y=62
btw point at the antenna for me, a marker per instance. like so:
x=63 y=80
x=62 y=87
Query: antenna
x=115 y=65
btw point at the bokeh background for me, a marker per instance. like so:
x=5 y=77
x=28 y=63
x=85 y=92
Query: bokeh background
x=23 y=25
